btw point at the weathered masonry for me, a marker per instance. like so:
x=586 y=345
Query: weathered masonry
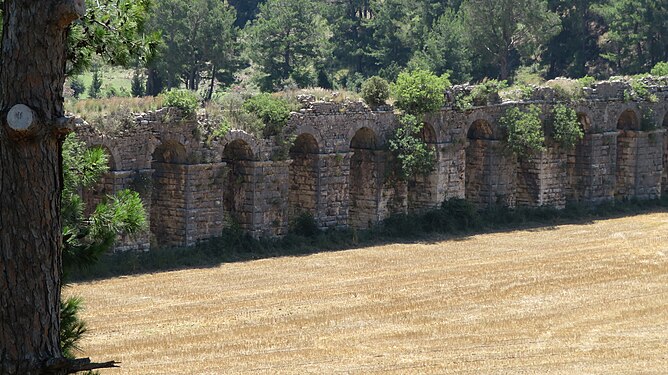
x=338 y=167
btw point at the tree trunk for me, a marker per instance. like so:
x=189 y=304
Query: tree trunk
x=32 y=73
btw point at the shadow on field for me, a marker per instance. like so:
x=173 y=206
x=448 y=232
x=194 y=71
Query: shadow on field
x=455 y=220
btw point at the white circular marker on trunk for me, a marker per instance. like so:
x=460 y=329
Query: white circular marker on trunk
x=20 y=117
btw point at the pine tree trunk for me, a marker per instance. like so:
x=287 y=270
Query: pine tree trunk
x=32 y=73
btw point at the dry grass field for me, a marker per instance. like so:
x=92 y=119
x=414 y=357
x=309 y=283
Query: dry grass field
x=574 y=299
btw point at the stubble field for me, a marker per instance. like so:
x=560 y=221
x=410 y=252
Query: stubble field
x=574 y=299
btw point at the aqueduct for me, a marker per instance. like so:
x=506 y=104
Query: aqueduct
x=338 y=168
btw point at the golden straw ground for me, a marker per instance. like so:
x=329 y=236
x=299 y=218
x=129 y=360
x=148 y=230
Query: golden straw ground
x=575 y=299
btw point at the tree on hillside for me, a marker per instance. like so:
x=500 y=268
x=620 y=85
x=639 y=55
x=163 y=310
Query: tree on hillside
x=445 y=48
x=396 y=35
x=499 y=30
x=200 y=42
x=637 y=34
x=571 y=51
x=246 y=10
x=32 y=74
x=286 y=42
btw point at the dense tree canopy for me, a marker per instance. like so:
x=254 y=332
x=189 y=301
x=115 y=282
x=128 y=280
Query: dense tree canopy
x=340 y=43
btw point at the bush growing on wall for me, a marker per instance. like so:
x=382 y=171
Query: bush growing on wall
x=660 y=69
x=185 y=100
x=420 y=91
x=414 y=155
x=567 y=131
x=524 y=131
x=375 y=91
x=272 y=110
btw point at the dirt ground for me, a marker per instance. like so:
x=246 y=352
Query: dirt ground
x=575 y=299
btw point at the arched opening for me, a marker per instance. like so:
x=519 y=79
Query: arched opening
x=237 y=196
x=423 y=189
x=489 y=175
x=171 y=152
x=168 y=218
x=577 y=164
x=627 y=125
x=364 y=179
x=304 y=172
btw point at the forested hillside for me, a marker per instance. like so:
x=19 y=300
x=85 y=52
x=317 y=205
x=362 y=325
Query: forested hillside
x=339 y=43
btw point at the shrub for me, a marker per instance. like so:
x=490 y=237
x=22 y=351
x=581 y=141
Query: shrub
x=413 y=154
x=660 y=69
x=483 y=93
x=184 y=100
x=586 y=81
x=640 y=90
x=304 y=225
x=524 y=131
x=375 y=91
x=273 y=111
x=420 y=91
x=567 y=131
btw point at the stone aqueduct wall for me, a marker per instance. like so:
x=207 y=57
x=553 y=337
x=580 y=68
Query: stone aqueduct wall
x=338 y=169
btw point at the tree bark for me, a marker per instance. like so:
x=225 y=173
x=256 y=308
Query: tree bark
x=32 y=73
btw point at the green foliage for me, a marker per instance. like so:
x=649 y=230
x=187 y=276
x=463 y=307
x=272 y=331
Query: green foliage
x=420 y=91
x=586 y=81
x=228 y=112
x=485 y=92
x=415 y=157
x=304 y=225
x=200 y=43
x=567 y=131
x=640 y=90
x=445 y=49
x=185 y=100
x=647 y=122
x=375 y=91
x=96 y=85
x=77 y=86
x=85 y=239
x=524 y=130
x=499 y=29
x=660 y=69
x=72 y=328
x=287 y=42
x=637 y=34
x=112 y=30
x=273 y=111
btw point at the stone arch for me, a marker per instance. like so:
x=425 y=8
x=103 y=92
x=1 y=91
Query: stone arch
x=240 y=135
x=489 y=171
x=304 y=175
x=170 y=152
x=628 y=123
x=628 y=120
x=313 y=132
x=363 y=183
x=362 y=132
x=238 y=199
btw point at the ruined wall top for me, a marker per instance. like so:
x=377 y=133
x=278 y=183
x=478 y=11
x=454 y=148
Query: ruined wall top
x=151 y=136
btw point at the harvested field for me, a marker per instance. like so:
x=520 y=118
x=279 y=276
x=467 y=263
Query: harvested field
x=574 y=299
